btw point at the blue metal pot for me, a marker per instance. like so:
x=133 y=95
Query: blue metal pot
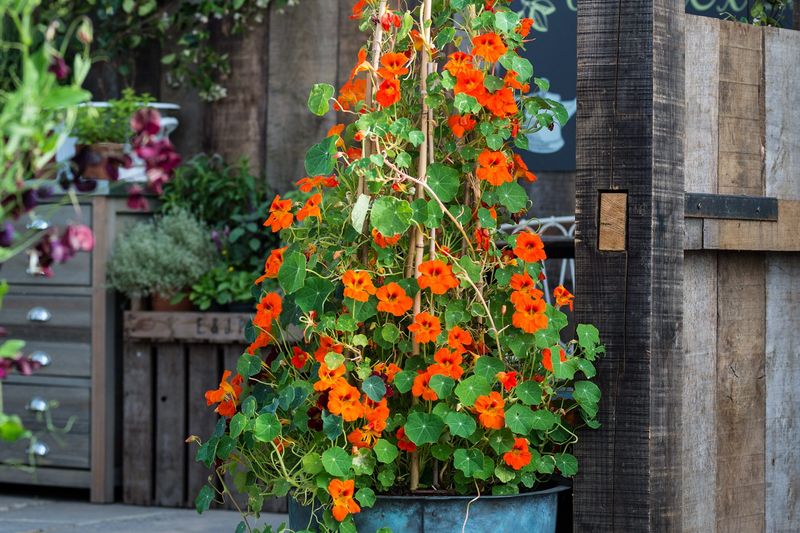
x=532 y=512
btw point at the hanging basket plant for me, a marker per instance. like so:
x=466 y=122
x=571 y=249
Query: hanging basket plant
x=426 y=359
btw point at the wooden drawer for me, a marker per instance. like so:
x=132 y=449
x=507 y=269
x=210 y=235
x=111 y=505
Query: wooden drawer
x=67 y=359
x=33 y=316
x=76 y=271
x=69 y=449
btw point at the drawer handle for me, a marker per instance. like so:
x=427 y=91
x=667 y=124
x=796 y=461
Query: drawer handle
x=41 y=357
x=39 y=314
x=39 y=449
x=38 y=224
x=37 y=405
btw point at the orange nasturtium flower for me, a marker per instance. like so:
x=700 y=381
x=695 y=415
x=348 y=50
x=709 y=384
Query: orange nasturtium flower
x=519 y=455
x=358 y=285
x=521 y=170
x=529 y=315
x=437 y=276
x=458 y=339
x=447 y=364
x=501 y=103
x=311 y=208
x=268 y=310
x=272 y=264
x=227 y=395
x=389 y=370
x=511 y=81
x=342 y=495
x=490 y=410
x=459 y=62
x=383 y=241
x=280 y=214
x=263 y=339
x=403 y=441
x=364 y=437
x=489 y=46
x=507 y=379
x=326 y=345
x=470 y=82
x=392 y=298
x=328 y=378
x=524 y=27
x=388 y=92
x=358 y=9
x=524 y=286
x=422 y=386
x=376 y=413
x=547 y=358
x=351 y=94
x=393 y=65
x=306 y=184
x=299 y=358
x=461 y=124
x=425 y=328
x=345 y=400
x=563 y=297
x=493 y=168
x=529 y=247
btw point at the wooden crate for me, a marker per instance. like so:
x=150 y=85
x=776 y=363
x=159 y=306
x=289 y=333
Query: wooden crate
x=170 y=360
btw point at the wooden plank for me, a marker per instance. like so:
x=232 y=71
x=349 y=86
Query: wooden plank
x=204 y=374
x=782 y=85
x=630 y=126
x=613 y=221
x=780 y=236
x=693 y=234
x=783 y=397
x=195 y=327
x=170 y=425
x=72 y=359
x=50 y=477
x=740 y=392
x=137 y=450
x=701 y=140
x=741 y=128
x=230 y=356
x=305 y=57
x=698 y=439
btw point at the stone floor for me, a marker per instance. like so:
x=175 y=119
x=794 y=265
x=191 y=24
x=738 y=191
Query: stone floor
x=34 y=515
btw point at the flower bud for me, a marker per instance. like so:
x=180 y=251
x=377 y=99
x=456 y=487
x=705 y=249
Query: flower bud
x=85 y=31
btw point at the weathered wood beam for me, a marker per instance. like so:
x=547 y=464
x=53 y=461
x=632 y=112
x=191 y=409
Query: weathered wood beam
x=630 y=140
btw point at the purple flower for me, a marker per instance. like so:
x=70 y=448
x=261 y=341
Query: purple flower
x=7 y=235
x=59 y=67
x=146 y=121
x=136 y=199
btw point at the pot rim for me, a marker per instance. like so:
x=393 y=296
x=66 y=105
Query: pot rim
x=552 y=490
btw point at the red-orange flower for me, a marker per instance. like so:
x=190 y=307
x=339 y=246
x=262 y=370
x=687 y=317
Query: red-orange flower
x=351 y=94
x=490 y=410
x=524 y=27
x=262 y=339
x=458 y=339
x=328 y=378
x=345 y=400
x=521 y=170
x=392 y=298
x=511 y=81
x=280 y=214
x=461 y=124
x=524 y=286
x=493 y=167
x=358 y=9
x=488 y=46
x=272 y=264
x=389 y=370
x=425 y=328
x=529 y=247
x=393 y=65
x=422 y=386
x=311 y=208
x=227 y=395
x=267 y=310
x=459 y=62
x=437 y=276
x=376 y=413
x=470 y=82
x=299 y=358
x=448 y=363
x=507 y=379
x=547 y=358
x=326 y=345
x=383 y=241
x=364 y=437
x=563 y=297
x=342 y=495
x=529 y=315
x=358 y=285
x=403 y=441
x=388 y=92
x=500 y=103
x=519 y=456
x=306 y=184
x=482 y=238
x=389 y=19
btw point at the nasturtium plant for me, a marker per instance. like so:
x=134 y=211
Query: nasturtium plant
x=410 y=346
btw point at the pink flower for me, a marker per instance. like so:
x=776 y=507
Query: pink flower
x=147 y=121
x=79 y=237
x=136 y=199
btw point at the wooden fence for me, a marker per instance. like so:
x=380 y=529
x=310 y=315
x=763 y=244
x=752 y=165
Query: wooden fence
x=170 y=360
x=688 y=212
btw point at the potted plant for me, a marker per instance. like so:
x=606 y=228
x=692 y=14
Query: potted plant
x=432 y=389
x=161 y=258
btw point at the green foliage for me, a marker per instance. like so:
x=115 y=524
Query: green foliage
x=164 y=256
x=222 y=285
x=112 y=123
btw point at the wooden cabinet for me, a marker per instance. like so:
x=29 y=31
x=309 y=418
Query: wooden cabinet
x=68 y=323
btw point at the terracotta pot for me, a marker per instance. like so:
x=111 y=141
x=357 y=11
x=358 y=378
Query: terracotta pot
x=99 y=158
x=161 y=302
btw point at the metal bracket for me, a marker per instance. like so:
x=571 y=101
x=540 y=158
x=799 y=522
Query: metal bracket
x=729 y=206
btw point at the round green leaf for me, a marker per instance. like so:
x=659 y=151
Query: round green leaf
x=472 y=387
x=336 y=462
x=529 y=392
x=519 y=419
x=511 y=196
x=292 y=274
x=443 y=181
x=385 y=451
x=543 y=420
x=567 y=464
x=374 y=388
x=313 y=294
x=312 y=463
x=267 y=427
x=460 y=424
x=488 y=368
x=391 y=215
x=318 y=98
x=366 y=497
x=442 y=385
x=238 y=423
x=320 y=159
x=423 y=428
x=470 y=462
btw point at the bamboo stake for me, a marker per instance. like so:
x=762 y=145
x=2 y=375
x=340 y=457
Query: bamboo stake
x=422 y=171
x=377 y=37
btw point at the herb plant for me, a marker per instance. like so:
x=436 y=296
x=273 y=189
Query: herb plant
x=429 y=360
x=110 y=124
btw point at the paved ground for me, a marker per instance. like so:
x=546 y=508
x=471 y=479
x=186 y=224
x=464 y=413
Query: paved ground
x=33 y=515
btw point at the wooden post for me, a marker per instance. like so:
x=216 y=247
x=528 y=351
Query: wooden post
x=630 y=140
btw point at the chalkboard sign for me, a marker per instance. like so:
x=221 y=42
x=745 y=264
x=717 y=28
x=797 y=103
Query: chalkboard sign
x=553 y=53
